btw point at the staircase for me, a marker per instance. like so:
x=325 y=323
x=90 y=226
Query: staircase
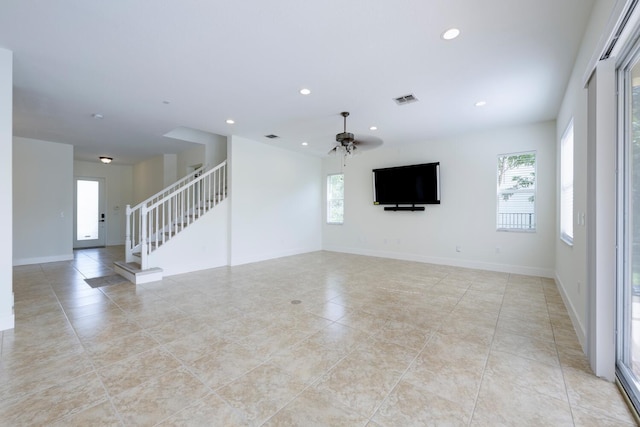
x=157 y=220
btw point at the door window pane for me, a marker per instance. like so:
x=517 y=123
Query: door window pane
x=87 y=210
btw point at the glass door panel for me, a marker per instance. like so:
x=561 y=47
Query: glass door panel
x=89 y=213
x=87 y=210
x=628 y=282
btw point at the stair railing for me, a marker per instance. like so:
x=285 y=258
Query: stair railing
x=158 y=219
x=133 y=241
x=173 y=187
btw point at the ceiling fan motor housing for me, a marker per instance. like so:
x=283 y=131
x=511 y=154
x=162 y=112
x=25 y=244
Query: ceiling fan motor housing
x=345 y=138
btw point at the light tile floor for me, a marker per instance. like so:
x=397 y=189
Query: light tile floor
x=373 y=342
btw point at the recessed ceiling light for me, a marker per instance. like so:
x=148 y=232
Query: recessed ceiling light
x=106 y=160
x=230 y=121
x=305 y=91
x=97 y=116
x=450 y=34
x=373 y=128
x=305 y=143
x=480 y=103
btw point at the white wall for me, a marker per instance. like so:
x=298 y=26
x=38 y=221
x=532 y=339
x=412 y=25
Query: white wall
x=42 y=201
x=212 y=152
x=119 y=193
x=7 y=320
x=148 y=178
x=275 y=202
x=170 y=169
x=466 y=216
x=211 y=148
x=189 y=158
x=216 y=150
x=571 y=261
x=202 y=245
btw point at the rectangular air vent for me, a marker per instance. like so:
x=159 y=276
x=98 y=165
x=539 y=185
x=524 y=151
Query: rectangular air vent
x=406 y=99
x=271 y=136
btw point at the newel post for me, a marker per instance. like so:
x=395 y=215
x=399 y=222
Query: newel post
x=144 y=244
x=127 y=235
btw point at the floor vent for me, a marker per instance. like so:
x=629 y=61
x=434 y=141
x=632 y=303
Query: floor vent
x=406 y=99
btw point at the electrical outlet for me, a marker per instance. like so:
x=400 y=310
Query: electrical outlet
x=458 y=248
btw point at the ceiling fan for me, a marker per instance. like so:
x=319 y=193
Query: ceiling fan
x=348 y=143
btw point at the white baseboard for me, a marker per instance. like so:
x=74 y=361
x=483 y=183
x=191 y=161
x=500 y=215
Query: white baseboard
x=463 y=263
x=575 y=319
x=235 y=261
x=42 y=260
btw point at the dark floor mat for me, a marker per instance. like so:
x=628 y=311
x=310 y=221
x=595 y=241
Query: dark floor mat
x=98 y=282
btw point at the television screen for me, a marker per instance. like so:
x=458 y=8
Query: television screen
x=408 y=185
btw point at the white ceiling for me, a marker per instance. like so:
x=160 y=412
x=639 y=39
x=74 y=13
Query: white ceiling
x=247 y=60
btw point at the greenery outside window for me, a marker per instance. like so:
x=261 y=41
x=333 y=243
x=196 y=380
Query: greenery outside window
x=516 y=207
x=335 y=199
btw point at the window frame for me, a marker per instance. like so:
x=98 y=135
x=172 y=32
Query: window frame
x=330 y=199
x=564 y=155
x=534 y=193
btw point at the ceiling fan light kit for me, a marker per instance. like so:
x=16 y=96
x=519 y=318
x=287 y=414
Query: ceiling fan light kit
x=348 y=143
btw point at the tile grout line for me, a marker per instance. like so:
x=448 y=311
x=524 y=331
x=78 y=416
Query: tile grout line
x=95 y=370
x=555 y=344
x=486 y=363
x=93 y=366
x=377 y=408
x=319 y=377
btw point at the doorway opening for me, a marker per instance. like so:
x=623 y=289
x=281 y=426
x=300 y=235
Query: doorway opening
x=89 y=213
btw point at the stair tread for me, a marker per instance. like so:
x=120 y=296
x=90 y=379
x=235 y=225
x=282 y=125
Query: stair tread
x=130 y=265
x=134 y=267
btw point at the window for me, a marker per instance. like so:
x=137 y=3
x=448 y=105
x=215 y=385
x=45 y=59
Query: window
x=335 y=199
x=516 y=192
x=566 y=185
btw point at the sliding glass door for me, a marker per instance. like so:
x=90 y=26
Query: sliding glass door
x=628 y=281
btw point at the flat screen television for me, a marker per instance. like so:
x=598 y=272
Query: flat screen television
x=407 y=185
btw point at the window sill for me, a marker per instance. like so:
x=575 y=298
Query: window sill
x=516 y=230
x=567 y=241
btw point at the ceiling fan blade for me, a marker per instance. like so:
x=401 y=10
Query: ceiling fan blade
x=367 y=142
x=350 y=142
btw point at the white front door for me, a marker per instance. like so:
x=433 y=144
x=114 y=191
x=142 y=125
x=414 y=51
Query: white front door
x=89 y=218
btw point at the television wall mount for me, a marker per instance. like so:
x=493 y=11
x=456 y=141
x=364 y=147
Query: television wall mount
x=412 y=208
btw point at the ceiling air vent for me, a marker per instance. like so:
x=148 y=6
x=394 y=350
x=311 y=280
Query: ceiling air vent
x=406 y=99
x=271 y=136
